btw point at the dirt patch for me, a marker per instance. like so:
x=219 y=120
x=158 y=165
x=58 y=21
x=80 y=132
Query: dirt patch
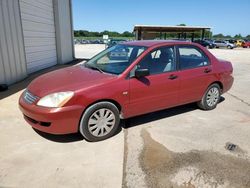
x=164 y=168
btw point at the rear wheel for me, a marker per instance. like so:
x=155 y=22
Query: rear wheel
x=100 y=121
x=211 y=97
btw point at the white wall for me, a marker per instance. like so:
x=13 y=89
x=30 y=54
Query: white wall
x=39 y=34
x=20 y=35
x=64 y=31
x=12 y=56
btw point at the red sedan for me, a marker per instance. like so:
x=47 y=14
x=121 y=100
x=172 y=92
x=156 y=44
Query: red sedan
x=123 y=81
x=246 y=44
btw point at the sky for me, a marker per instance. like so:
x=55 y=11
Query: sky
x=229 y=17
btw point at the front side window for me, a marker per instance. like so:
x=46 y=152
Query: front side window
x=159 y=61
x=192 y=57
x=116 y=59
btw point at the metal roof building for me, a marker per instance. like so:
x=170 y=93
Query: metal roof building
x=144 y=32
x=34 y=34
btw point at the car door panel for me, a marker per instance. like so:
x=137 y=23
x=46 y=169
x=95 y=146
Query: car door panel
x=196 y=72
x=160 y=89
x=193 y=83
x=153 y=93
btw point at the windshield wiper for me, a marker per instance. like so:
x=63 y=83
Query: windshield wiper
x=94 y=68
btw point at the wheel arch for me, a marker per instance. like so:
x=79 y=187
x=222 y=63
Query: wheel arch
x=117 y=104
x=101 y=100
x=219 y=83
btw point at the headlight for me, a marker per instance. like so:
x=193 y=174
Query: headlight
x=55 y=99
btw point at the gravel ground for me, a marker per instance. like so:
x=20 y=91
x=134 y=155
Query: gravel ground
x=86 y=51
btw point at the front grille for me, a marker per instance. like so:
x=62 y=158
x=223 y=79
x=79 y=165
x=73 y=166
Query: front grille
x=29 y=97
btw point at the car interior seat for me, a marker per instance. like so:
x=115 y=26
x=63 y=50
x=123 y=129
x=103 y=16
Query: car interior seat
x=165 y=62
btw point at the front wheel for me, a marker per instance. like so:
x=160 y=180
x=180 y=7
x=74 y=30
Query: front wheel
x=211 y=97
x=100 y=121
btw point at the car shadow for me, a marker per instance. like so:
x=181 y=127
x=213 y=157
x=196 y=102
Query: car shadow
x=75 y=137
x=128 y=123
x=138 y=120
x=14 y=88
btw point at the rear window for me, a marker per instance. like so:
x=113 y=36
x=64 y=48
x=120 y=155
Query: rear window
x=192 y=57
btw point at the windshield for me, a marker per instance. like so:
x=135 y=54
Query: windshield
x=115 y=59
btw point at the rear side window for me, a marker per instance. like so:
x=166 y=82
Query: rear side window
x=191 y=57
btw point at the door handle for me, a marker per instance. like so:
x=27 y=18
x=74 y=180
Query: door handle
x=207 y=70
x=172 y=77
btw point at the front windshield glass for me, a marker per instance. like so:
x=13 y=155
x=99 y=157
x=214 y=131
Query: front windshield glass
x=115 y=59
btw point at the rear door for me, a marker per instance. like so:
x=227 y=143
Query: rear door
x=160 y=89
x=196 y=72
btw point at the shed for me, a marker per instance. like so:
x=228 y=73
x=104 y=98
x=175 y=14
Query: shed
x=34 y=34
x=144 y=32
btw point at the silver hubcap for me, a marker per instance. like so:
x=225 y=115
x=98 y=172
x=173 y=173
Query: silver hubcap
x=213 y=96
x=101 y=122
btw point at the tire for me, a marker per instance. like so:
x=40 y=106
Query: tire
x=100 y=121
x=213 y=92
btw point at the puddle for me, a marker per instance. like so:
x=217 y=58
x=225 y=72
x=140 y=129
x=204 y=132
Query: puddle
x=164 y=168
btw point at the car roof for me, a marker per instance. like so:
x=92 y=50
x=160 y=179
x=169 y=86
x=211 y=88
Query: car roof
x=151 y=43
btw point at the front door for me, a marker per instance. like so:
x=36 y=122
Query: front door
x=159 y=90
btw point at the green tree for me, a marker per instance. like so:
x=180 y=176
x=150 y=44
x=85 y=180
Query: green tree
x=228 y=36
x=76 y=34
x=182 y=24
x=219 y=36
x=238 y=36
x=127 y=34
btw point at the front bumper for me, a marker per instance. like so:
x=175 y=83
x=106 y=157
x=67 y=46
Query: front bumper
x=64 y=120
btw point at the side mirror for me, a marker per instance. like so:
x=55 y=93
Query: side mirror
x=141 y=73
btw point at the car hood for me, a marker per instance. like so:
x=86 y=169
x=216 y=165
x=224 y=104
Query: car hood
x=67 y=79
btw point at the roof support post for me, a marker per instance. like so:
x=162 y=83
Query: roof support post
x=184 y=35
x=192 y=37
x=202 y=34
x=139 y=34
